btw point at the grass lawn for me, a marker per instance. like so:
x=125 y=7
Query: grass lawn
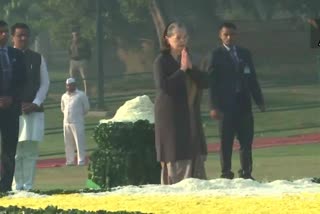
x=289 y=162
x=73 y=177
x=293 y=108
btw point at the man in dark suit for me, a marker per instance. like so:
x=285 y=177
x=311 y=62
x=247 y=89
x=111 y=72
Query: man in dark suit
x=12 y=77
x=233 y=82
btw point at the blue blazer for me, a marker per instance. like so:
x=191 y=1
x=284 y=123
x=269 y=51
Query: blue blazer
x=18 y=65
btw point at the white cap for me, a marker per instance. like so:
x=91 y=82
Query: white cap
x=70 y=80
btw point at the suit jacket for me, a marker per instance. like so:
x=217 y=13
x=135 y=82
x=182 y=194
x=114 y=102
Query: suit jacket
x=17 y=61
x=224 y=78
x=173 y=117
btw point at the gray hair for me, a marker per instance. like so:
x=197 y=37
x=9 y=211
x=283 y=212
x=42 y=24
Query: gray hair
x=169 y=31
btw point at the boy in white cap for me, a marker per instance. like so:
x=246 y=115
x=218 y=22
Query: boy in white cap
x=74 y=105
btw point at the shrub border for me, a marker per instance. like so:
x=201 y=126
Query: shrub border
x=56 y=210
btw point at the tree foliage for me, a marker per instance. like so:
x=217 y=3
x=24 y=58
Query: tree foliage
x=133 y=18
x=309 y=8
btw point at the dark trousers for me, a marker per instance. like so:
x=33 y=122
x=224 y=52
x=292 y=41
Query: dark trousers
x=9 y=128
x=240 y=125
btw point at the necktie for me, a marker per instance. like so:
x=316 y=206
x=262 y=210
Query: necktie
x=234 y=55
x=235 y=59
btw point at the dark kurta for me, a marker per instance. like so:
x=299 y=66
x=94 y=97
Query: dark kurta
x=173 y=118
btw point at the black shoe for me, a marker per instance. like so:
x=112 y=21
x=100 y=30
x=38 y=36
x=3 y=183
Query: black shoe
x=248 y=177
x=227 y=175
x=245 y=175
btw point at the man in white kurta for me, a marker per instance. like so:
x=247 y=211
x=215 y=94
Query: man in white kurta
x=31 y=122
x=74 y=105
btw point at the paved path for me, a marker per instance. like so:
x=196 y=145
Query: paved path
x=214 y=147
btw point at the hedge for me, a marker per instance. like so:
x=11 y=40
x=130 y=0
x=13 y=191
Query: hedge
x=55 y=210
x=125 y=155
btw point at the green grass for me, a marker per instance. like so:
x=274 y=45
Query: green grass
x=293 y=105
x=291 y=110
x=58 y=75
x=71 y=177
x=289 y=162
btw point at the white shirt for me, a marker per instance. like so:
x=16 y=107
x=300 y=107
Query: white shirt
x=233 y=49
x=32 y=125
x=74 y=106
x=227 y=47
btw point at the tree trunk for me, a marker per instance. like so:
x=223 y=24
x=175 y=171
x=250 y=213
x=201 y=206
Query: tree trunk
x=158 y=19
x=264 y=10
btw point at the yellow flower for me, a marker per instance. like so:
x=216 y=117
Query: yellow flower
x=295 y=203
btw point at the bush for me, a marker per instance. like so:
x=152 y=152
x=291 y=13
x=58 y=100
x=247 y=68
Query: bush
x=55 y=210
x=125 y=155
x=316 y=180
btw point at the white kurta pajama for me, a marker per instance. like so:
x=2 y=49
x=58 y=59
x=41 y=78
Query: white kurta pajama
x=31 y=132
x=74 y=107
